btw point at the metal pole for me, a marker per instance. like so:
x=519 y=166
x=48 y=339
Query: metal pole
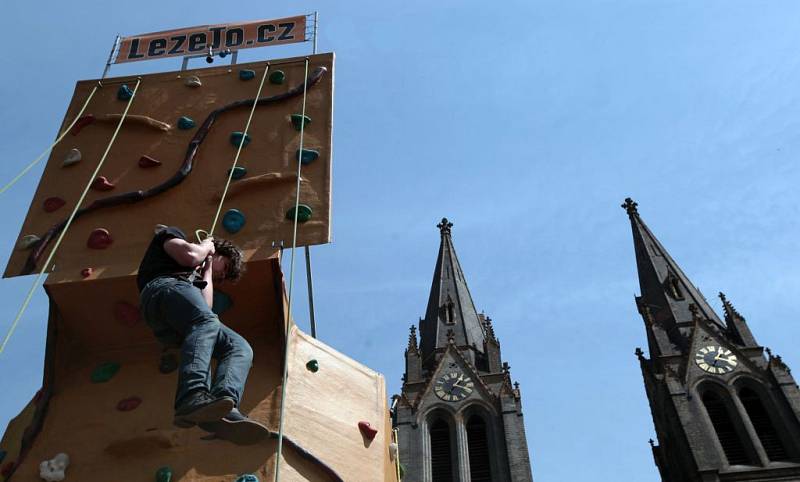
x=310 y=294
x=110 y=57
x=316 y=21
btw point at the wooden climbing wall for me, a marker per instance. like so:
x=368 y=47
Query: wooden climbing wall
x=166 y=115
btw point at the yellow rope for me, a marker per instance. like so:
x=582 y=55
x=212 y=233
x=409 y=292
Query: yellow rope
x=291 y=280
x=54 y=144
x=69 y=222
x=238 y=151
x=396 y=436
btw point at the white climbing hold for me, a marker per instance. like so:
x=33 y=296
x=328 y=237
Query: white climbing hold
x=193 y=81
x=393 y=451
x=54 y=470
x=73 y=157
x=27 y=241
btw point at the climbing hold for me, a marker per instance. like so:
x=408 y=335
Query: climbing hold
x=72 y=157
x=367 y=431
x=164 y=474
x=168 y=363
x=128 y=404
x=247 y=74
x=86 y=272
x=53 y=203
x=233 y=221
x=27 y=241
x=393 y=449
x=247 y=478
x=105 y=372
x=307 y=156
x=102 y=184
x=7 y=469
x=124 y=92
x=299 y=121
x=222 y=302
x=192 y=81
x=238 y=172
x=81 y=123
x=99 y=239
x=3 y=454
x=312 y=366
x=53 y=470
x=303 y=213
x=185 y=123
x=147 y=161
x=277 y=77
x=126 y=313
x=240 y=138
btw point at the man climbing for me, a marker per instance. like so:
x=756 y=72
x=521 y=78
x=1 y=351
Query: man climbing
x=176 y=284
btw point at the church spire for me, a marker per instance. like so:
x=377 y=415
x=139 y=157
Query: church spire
x=450 y=305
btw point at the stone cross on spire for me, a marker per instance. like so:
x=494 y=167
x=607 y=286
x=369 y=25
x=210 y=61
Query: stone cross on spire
x=444 y=226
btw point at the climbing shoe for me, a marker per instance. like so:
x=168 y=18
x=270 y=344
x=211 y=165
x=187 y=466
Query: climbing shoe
x=237 y=428
x=200 y=407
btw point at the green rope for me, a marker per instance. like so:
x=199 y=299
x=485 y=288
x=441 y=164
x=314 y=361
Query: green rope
x=54 y=144
x=238 y=151
x=291 y=282
x=69 y=221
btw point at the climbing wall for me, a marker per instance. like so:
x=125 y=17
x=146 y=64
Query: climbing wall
x=152 y=175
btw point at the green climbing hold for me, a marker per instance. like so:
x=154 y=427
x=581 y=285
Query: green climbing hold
x=185 y=123
x=247 y=74
x=105 y=372
x=299 y=121
x=233 y=221
x=307 y=156
x=277 y=77
x=247 y=478
x=312 y=366
x=164 y=474
x=303 y=213
x=238 y=172
x=240 y=138
x=124 y=92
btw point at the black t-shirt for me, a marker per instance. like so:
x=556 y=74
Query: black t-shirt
x=157 y=262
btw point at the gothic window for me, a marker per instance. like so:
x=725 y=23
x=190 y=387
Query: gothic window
x=451 y=316
x=759 y=417
x=441 y=452
x=673 y=287
x=478 y=443
x=727 y=434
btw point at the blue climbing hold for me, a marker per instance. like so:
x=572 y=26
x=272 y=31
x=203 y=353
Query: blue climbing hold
x=238 y=172
x=247 y=74
x=247 y=478
x=240 y=138
x=307 y=156
x=3 y=454
x=221 y=303
x=233 y=221
x=185 y=123
x=124 y=92
x=299 y=121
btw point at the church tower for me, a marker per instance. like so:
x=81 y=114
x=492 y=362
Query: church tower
x=459 y=417
x=721 y=408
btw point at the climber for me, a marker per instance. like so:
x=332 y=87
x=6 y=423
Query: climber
x=176 y=284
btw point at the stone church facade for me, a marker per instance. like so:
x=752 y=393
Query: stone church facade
x=459 y=415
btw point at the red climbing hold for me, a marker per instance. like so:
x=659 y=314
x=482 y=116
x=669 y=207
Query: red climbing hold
x=81 y=123
x=53 y=203
x=99 y=239
x=128 y=404
x=147 y=161
x=126 y=313
x=102 y=184
x=86 y=272
x=367 y=430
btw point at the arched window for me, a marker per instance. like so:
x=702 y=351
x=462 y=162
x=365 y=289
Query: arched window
x=478 y=443
x=759 y=417
x=732 y=444
x=441 y=452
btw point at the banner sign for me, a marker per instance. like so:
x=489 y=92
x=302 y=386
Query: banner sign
x=197 y=40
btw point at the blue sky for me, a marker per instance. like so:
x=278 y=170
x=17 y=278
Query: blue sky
x=526 y=125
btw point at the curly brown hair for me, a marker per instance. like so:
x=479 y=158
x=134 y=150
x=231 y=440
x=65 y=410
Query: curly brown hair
x=225 y=248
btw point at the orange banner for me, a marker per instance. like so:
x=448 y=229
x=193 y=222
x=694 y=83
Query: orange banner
x=197 y=40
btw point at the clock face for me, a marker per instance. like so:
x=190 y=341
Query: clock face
x=453 y=386
x=715 y=359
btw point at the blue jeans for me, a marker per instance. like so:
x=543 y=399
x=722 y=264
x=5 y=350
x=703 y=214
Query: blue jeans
x=179 y=316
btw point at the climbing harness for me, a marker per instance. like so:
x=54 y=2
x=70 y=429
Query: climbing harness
x=291 y=281
x=54 y=144
x=69 y=220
